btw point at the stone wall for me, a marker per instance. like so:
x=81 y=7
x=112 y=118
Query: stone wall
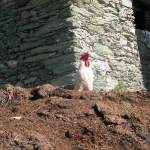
x=40 y=42
x=107 y=30
x=36 y=43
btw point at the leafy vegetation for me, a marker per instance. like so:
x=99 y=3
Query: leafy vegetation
x=120 y=88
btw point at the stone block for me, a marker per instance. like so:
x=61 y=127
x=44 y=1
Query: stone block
x=47 y=15
x=52 y=48
x=6 y=21
x=12 y=78
x=13 y=41
x=33 y=13
x=81 y=11
x=3 y=68
x=63 y=80
x=61 y=69
x=55 y=25
x=49 y=63
x=30 y=80
x=127 y=3
x=44 y=74
x=28 y=27
x=110 y=16
x=12 y=63
x=2 y=47
x=25 y=15
x=102 y=50
x=30 y=45
x=104 y=1
x=97 y=29
x=37 y=58
x=65 y=12
x=39 y=2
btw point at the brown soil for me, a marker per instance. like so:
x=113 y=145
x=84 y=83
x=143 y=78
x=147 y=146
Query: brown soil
x=50 y=118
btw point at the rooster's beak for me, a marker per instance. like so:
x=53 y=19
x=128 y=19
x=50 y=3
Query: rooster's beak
x=81 y=56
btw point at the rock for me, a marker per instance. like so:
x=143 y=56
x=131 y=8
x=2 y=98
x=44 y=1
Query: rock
x=81 y=11
x=33 y=73
x=127 y=3
x=8 y=5
x=2 y=35
x=5 y=27
x=21 y=3
x=20 y=59
x=3 y=68
x=33 y=13
x=102 y=50
x=133 y=68
x=2 y=47
x=28 y=27
x=30 y=80
x=148 y=46
x=111 y=10
x=11 y=30
x=104 y=1
x=65 y=12
x=116 y=26
x=44 y=74
x=49 y=63
x=37 y=58
x=129 y=24
x=112 y=4
x=63 y=68
x=3 y=2
x=62 y=81
x=23 y=22
x=25 y=15
x=39 y=2
x=97 y=29
x=11 y=79
x=123 y=41
x=13 y=41
x=55 y=25
x=52 y=48
x=110 y=16
x=50 y=41
x=52 y=17
x=6 y=21
x=132 y=31
x=23 y=35
x=6 y=75
x=99 y=21
x=12 y=64
x=122 y=14
x=31 y=34
x=30 y=45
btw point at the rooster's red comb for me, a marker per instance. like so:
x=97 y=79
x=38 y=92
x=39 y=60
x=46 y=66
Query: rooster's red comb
x=85 y=55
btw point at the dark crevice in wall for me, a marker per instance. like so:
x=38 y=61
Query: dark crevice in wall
x=139 y=20
x=142 y=15
x=142 y=25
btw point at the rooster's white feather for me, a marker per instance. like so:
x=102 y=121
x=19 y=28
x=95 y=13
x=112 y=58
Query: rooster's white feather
x=84 y=78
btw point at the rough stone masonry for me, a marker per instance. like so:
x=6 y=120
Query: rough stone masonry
x=40 y=42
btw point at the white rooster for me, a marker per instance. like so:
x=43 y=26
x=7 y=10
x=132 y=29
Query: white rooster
x=84 y=76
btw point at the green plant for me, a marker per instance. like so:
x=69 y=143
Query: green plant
x=132 y=118
x=135 y=122
x=120 y=88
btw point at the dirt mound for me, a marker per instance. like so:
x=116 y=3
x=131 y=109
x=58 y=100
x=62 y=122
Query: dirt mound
x=50 y=118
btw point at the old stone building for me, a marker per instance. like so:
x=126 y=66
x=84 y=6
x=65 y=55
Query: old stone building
x=41 y=40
